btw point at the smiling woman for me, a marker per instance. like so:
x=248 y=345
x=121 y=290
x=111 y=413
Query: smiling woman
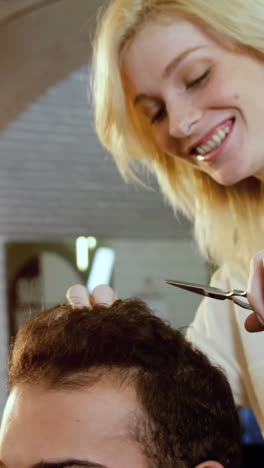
x=195 y=114
x=188 y=88
x=177 y=86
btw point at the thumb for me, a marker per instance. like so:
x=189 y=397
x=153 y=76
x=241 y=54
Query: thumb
x=255 y=289
x=253 y=323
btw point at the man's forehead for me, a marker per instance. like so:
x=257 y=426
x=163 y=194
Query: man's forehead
x=99 y=411
x=107 y=397
x=91 y=423
x=70 y=423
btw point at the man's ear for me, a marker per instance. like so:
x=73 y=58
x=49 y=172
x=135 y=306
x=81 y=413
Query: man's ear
x=209 y=464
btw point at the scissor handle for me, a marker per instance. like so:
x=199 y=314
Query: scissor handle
x=238 y=292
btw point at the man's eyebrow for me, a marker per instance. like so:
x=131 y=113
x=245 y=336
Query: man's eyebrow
x=169 y=68
x=71 y=463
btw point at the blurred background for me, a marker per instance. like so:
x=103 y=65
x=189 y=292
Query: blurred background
x=66 y=216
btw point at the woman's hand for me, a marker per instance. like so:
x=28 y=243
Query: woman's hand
x=255 y=321
x=78 y=296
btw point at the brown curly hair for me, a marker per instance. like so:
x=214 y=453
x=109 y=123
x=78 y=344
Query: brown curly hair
x=189 y=412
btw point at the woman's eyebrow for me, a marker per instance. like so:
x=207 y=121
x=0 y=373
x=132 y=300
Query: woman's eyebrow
x=176 y=61
x=168 y=69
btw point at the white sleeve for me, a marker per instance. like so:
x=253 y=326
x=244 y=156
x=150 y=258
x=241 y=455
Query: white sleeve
x=214 y=331
x=218 y=330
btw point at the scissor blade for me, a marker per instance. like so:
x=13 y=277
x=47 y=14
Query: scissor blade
x=204 y=290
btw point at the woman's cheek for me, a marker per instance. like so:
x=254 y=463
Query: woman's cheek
x=163 y=139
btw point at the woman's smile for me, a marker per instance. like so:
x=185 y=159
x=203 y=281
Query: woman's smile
x=214 y=140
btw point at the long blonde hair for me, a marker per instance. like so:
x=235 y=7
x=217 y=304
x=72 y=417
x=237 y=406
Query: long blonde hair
x=228 y=221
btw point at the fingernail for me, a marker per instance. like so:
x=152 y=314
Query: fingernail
x=103 y=294
x=77 y=296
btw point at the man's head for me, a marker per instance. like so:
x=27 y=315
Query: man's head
x=115 y=388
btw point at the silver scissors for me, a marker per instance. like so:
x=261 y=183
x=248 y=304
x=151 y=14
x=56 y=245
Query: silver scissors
x=215 y=293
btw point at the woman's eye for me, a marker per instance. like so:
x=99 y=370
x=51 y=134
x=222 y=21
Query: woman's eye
x=158 y=116
x=198 y=80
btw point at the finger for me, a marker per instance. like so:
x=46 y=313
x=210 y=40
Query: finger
x=252 y=324
x=255 y=290
x=78 y=296
x=103 y=294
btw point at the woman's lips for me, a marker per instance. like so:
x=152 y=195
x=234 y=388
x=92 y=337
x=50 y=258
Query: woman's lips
x=215 y=152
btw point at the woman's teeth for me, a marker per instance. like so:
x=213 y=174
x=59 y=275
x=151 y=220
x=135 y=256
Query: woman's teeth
x=214 y=142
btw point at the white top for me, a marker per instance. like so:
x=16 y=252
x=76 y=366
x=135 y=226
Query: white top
x=218 y=330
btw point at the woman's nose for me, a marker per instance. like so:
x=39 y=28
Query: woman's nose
x=182 y=122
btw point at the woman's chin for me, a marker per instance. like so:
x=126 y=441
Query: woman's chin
x=228 y=178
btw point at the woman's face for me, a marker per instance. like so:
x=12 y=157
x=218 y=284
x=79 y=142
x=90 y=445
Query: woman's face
x=204 y=103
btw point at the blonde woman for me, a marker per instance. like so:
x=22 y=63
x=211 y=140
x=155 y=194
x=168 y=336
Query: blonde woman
x=178 y=87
